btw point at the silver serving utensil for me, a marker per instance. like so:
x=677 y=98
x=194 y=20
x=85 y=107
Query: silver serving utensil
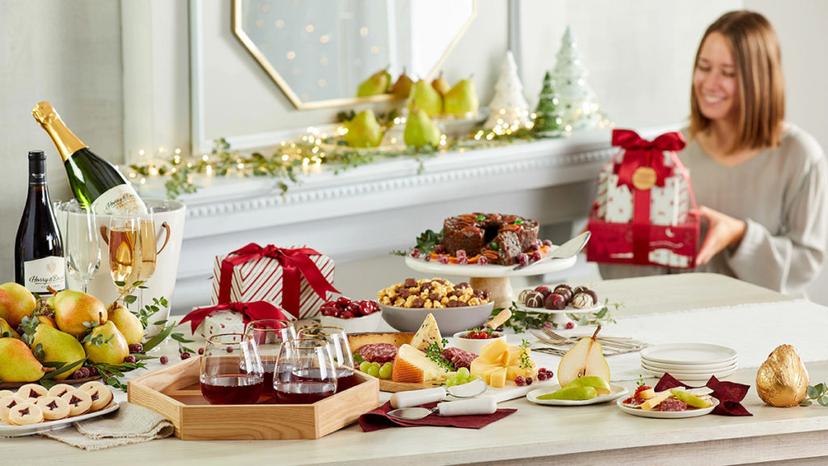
x=568 y=249
x=467 y=390
x=486 y=405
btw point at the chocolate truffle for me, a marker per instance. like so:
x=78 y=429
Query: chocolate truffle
x=584 y=299
x=555 y=302
x=522 y=296
x=543 y=289
x=533 y=299
x=565 y=291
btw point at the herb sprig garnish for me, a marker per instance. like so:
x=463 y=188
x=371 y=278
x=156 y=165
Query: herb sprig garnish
x=434 y=351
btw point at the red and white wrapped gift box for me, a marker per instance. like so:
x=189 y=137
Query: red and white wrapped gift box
x=643 y=211
x=229 y=318
x=297 y=280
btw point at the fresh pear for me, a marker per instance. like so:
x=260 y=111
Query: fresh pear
x=425 y=98
x=6 y=330
x=598 y=383
x=58 y=346
x=782 y=380
x=571 y=393
x=440 y=84
x=402 y=87
x=73 y=309
x=585 y=358
x=18 y=362
x=376 y=84
x=46 y=320
x=106 y=345
x=16 y=302
x=420 y=130
x=363 y=130
x=127 y=323
x=461 y=100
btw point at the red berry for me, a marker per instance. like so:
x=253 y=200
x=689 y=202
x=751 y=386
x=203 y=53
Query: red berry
x=482 y=260
x=136 y=348
x=520 y=381
x=163 y=359
x=541 y=376
x=415 y=253
x=569 y=325
x=536 y=256
x=184 y=355
x=523 y=259
x=463 y=260
x=529 y=380
x=201 y=351
x=444 y=259
x=460 y=253
x=130 y=359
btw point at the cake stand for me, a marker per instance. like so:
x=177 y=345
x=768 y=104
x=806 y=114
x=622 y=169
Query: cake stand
x=496 y=279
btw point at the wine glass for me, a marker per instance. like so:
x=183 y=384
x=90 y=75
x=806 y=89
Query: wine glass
x=340 y=351
x=231 y=370
x=269 y=335
x=82 y=247
x=124 y=251
x=305 y=371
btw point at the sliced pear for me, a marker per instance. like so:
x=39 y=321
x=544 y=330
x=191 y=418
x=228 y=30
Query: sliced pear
x=690 y=399
x=598 y=383
x=571 y=393
x=584 y=359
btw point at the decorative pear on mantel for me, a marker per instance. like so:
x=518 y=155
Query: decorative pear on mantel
x=782 y=380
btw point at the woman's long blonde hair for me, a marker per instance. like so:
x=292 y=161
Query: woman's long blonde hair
x=761 y=104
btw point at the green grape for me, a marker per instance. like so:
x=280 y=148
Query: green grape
x=463 y=372
x=376 y=364
x=385 y=371
x=364 y=365
x=373 y=371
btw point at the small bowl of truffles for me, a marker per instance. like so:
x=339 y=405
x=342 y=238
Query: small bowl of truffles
x=560 y=300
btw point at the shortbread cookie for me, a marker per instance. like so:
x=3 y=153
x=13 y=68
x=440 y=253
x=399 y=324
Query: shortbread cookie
x=79 y=402
x=6 y=404
x=53 y=408
x=60 y=389
x=101 y=394
x=32 y=391
x=5 y=393
x=25 y=414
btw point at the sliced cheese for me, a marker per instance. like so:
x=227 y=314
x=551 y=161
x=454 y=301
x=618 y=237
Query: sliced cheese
x=427 y=334
x=656 y=400
x=412 y=365
x=497 y=378
x=493 y=351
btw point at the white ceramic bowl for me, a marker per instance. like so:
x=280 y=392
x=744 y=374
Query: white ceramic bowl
x=369 y=323
x=450 y=319
x=472 y=345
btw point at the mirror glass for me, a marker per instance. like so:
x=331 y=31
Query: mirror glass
x=318 y=51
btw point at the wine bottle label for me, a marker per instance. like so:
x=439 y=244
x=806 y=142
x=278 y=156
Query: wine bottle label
x=119 y=200
x=40 y=274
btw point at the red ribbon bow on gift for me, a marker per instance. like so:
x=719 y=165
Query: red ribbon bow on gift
x=639 y=152
x=256 y=310
x=295 y=262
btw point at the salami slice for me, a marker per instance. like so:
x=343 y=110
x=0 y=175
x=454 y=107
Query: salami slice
x=458 y=357
x=378 y=352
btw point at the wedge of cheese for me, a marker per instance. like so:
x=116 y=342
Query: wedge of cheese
x=412 y=365
x=427 y=334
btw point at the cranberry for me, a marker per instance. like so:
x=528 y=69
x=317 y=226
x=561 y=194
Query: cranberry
x=201 y=351
x=415 y=253
x=520 y=381
x=229 y=349
x=444 y=259
x=130 y=359
x=136 y=348
x=462 y=260
x=523 y=259
x=541 y=376
x=569 y=325
x=428 y=258
x=529 y=380
x=536 y=256
x=163 y=359
x=547 y=242
x=80 y=374
x=460 y=253
x=346 y=315
x=184 y=355
x=482 y=260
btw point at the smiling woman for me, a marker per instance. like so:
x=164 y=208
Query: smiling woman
x=761 y=182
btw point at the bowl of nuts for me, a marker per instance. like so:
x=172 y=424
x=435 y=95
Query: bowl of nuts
x=455 y=307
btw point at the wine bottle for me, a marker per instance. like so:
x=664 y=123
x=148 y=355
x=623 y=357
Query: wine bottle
x=38 y=255
x=96 y=183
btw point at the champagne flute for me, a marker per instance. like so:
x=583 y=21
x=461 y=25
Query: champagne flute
x=147 y=250
x=82 y=247
x=124 y=251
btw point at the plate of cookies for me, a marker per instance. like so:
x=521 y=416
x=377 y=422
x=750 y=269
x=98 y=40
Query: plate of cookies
x=559 y=299
x=33 y=409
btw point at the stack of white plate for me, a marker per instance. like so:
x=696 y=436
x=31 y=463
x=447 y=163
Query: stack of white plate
x=689 y=361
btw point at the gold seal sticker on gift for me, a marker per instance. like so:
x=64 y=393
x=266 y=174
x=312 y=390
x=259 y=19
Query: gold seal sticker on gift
x=644 y=178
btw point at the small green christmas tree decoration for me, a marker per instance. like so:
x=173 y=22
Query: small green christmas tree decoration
x=548 y=120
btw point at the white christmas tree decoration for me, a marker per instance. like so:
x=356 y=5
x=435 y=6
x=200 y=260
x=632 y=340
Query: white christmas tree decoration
x=508 y=110
x=579 y=104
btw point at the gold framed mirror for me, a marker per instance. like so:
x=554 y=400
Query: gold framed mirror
x=318 y=51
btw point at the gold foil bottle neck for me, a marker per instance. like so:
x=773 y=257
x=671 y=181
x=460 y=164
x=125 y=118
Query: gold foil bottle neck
x=65 y=140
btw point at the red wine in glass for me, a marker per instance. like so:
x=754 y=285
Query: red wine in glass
x=232 y=389
x=304 y=387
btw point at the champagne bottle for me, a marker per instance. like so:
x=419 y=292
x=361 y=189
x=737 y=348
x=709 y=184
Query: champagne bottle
x=38 y=255
x=96 y=183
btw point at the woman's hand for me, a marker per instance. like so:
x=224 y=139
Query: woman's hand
x=723 y=231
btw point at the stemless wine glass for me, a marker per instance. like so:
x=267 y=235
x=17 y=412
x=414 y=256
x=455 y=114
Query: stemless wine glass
x=124 y=251
x=231 y=370
x=340 y=351
x=269 y=335
x=305 y=371
x=82 y=248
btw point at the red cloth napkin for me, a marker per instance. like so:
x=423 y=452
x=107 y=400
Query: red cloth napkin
x=378 y=419
x=729 y=394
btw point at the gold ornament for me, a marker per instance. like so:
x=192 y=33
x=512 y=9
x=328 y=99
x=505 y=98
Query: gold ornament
x=782 y=380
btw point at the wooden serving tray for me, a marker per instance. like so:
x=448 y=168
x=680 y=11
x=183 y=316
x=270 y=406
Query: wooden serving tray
x=394 y=387
x=174 y=392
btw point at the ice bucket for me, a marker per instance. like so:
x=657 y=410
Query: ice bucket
x=168 y=217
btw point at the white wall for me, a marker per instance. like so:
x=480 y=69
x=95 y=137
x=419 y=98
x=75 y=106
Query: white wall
x=70 y=54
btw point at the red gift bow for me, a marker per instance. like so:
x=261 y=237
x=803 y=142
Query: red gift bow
x=639 y=152
x=295 y=263
x=256 y=310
